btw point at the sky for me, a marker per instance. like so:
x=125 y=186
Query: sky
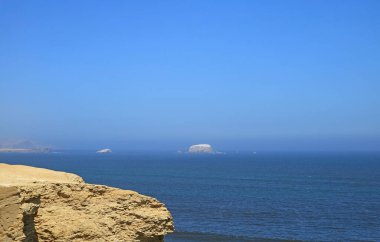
x=249 y=75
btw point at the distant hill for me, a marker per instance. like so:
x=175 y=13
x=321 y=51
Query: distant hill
x=23 y=146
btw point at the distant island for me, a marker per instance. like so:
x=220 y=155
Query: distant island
x=102 y=151
x=13 y=150
x=25 y=146
x=201 y=148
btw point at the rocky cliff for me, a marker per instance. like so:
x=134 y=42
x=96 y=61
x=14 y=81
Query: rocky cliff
x=43 y=205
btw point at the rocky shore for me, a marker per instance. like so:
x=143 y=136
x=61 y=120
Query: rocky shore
x=43 y=205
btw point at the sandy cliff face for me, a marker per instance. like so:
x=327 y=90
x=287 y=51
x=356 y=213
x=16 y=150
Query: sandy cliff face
x=43 y=205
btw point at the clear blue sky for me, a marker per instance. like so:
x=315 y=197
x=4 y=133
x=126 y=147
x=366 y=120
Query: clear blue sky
x=166 y=74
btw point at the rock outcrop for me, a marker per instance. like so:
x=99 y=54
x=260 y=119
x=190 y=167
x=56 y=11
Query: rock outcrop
x=43 y=205
x=104 y=151
x=201 y=148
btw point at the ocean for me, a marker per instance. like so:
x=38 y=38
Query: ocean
x=268 y=196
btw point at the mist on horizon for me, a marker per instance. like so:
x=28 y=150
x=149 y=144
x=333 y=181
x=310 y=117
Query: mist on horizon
x=247 y=75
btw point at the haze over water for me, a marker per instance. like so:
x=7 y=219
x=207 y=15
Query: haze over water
x=162 y=75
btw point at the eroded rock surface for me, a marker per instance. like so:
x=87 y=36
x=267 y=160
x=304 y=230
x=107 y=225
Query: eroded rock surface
x=44 y=205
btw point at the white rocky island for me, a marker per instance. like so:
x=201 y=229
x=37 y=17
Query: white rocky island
x=102 y=151
x=201 y=148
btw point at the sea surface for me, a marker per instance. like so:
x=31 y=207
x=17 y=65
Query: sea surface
x=269 y=196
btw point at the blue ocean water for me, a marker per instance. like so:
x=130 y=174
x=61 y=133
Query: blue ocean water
x=243 y=197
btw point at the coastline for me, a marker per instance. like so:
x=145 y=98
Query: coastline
x=16 y=150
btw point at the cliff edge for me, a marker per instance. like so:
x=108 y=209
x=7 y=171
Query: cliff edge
x=43 y=205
